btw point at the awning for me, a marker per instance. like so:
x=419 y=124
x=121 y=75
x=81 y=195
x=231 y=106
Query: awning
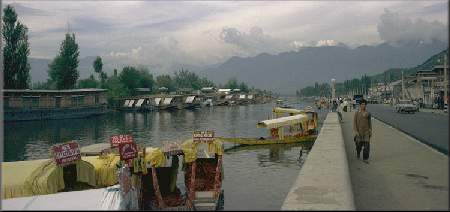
x=190 y=99
x=139 y=102
x=287 y=110
x=167 y=100
x=131 y=103
x=126 y=103
x=283 y=121
x=157 y=101
x=242 y=96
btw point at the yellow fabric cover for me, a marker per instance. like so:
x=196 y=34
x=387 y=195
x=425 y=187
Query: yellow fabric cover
x=47 y=178
x=190 y=149
x=105 y=169
x=154 y=156
x=38 y=177
x=14 y=175
x=86 y=172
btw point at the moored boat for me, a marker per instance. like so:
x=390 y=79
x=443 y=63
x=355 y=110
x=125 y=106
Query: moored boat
x=300 y=126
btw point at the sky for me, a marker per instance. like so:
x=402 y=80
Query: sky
x=201 y=33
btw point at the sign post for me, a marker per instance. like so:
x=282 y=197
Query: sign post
x=121 y=139
x=66 y=153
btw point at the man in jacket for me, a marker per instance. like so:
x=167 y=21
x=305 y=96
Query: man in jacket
x=362 y=129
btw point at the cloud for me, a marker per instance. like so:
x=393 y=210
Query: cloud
x=253 y=42
x=29 y=11
x=164 y=34
x=327 y=43
x=394 y=28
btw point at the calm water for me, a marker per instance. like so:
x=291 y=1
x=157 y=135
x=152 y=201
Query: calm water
x=255 y=177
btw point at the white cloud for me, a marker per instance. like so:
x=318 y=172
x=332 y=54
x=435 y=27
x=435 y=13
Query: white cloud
x=327 y=43
x=164 y=34
x=395 y=28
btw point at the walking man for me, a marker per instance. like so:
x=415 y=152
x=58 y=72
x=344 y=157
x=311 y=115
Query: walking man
x=362 y=129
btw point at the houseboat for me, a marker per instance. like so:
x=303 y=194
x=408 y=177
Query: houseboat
x=21 y=105
x=192 y=101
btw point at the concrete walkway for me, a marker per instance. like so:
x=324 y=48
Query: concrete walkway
x=402 y=174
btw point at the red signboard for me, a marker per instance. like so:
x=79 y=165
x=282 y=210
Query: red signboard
x=203 y=136
x=66 y=153
x=121 y=139
x=128 y=151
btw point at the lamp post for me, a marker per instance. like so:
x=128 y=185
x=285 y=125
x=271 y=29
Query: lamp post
x=333 y=88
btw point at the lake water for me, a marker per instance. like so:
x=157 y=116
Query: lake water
x=256 y=178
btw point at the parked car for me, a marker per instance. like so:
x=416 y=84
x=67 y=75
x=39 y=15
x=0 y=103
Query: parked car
x=405 y=105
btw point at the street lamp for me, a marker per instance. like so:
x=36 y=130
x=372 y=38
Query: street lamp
x=333 y=88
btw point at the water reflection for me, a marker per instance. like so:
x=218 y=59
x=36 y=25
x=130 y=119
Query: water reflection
x=261 y=174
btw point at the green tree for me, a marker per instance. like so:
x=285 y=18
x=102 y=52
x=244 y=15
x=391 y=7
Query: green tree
x=88 y=83
x=98 y=68
x=243 y=87
x=186 y=79
x=205 y=82
x=15 y=52
x=130 y=78
x=115 y=89
x=145 y=79
x=63 y=69
x=165 y=81
x=232 y=83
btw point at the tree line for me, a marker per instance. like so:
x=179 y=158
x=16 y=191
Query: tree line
x=63 y=69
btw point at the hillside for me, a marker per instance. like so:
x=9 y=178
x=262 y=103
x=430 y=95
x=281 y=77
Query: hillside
x=394 y=74
x=289 y=71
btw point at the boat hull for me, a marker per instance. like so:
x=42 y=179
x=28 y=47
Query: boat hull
x=258 y=141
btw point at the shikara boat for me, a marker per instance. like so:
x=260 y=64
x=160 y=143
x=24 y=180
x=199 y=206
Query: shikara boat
x=300 y=126
x=156 y=172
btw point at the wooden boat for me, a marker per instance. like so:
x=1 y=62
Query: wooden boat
x=300 y=126
x=204 y=175
x=192 y=102
x=156 y=171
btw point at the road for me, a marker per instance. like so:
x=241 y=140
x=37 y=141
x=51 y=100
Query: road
x=429 y=128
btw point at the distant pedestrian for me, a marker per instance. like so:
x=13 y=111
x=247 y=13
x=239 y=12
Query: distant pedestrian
x=362 y=128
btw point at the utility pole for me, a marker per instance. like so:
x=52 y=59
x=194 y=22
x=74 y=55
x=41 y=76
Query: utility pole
x=445 y=80
x=403 y=88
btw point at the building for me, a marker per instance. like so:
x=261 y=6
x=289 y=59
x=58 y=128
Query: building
x=52 y=104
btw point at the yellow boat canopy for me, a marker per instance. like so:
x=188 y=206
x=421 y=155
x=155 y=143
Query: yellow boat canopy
x=283 y=121
x=292 y=110
x=287 y=110
x=190 y=149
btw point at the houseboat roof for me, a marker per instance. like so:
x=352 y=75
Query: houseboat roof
x=53 y=91
x=224 y=90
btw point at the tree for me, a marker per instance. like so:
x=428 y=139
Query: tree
x=98 y=68
x=15 y=51
x=63 y=69
x=243 y=87
x=115 y=89
x=186 y=79
x=165 y=81
x=232 y=83
x=129 y=77
x=88 y=83
x=145 y=78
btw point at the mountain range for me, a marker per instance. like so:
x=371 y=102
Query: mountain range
x=287 y=72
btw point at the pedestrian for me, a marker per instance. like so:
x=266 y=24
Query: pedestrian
x=362 y=129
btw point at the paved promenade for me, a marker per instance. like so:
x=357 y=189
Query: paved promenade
x=402 y=174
